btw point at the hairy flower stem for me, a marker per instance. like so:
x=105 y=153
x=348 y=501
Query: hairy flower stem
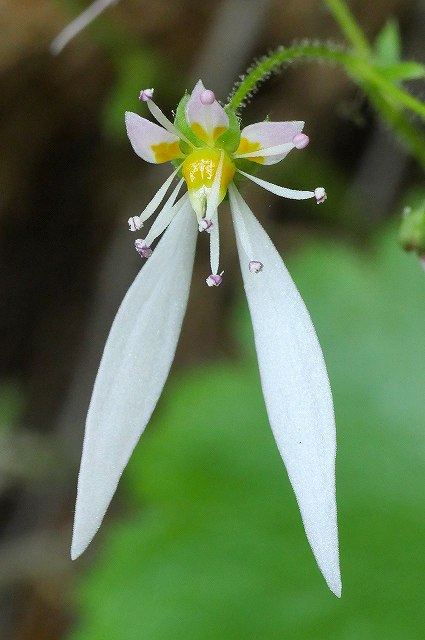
x=389 y=99
x=360 y=70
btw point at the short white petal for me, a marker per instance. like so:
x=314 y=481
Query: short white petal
x=135 y=364
x=296 y=392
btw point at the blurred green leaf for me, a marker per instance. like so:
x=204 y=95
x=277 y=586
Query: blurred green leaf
x=10 y=406
x=388 y=43
x=214 y=547
x=135 y=70
x=403 y=71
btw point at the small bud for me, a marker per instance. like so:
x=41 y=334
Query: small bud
x=300 y=140
x=255 y=266
x=320 y=195
x=214 y=280
x=207 y=97
x=412 y=229
x=142 y=248
x=205 y=225
x=135 y=223
x=146 y=94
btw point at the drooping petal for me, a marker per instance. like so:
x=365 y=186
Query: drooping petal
x=209 y=121
x=150 y=141
x=296 y=390
x=263 y=135
x=135 y=364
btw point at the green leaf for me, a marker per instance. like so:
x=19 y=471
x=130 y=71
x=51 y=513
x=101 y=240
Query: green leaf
x=403 y=71
x=388 y=43
x=11 y=403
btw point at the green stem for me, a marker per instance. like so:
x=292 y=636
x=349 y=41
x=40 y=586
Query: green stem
x=409 y=135
x=388 y=99
x=359 y=69
x=262 y=69
x=349 y=26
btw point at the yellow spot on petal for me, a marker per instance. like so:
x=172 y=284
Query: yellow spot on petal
x=164 y=152
x=218 y=131
x=204 y=136
x=246 y=146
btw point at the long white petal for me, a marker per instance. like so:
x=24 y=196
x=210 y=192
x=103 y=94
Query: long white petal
x=296 y=392
x=135 y=364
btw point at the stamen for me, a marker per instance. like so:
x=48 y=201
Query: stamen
x=142 y=248
x=268 y=151
x=135 y=223
x=205 y=225
x=320 y=195
x=207 y=97
x=165 y=216
x=292 y=194
x=300 y=140
x=146 y=94
x=158 y=197
x=165 y=122
x=212 y=214
x=215 y=279
x=237 y=204
x=255 y=266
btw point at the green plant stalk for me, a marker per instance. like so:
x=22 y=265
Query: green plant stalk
x=349 y=26
x=409 y=135
x=359 y=69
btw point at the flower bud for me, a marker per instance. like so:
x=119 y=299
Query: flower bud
x=412 y=229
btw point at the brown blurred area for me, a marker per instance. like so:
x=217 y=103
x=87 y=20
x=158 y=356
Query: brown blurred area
x=66 y=191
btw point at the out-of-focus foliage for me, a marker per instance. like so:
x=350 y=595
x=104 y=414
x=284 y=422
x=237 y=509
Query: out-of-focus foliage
x=388 y=43
x=10 y=406
x=134 y=69
x=412 y=229
x=388 y=55
x=215 y=548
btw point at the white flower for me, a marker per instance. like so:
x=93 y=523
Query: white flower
x=208 y=150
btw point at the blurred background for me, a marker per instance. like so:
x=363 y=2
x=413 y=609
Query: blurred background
x=204 y=539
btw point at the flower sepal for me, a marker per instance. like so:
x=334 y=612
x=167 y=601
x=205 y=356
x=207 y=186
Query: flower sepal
x=230 y=139
x=182 y=125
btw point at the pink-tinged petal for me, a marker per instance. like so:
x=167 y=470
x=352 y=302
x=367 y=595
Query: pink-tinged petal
x=150 y=141
x=205 y=115
x=264 y=135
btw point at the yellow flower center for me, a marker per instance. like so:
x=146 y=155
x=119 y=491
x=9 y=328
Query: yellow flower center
x=199 y=171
